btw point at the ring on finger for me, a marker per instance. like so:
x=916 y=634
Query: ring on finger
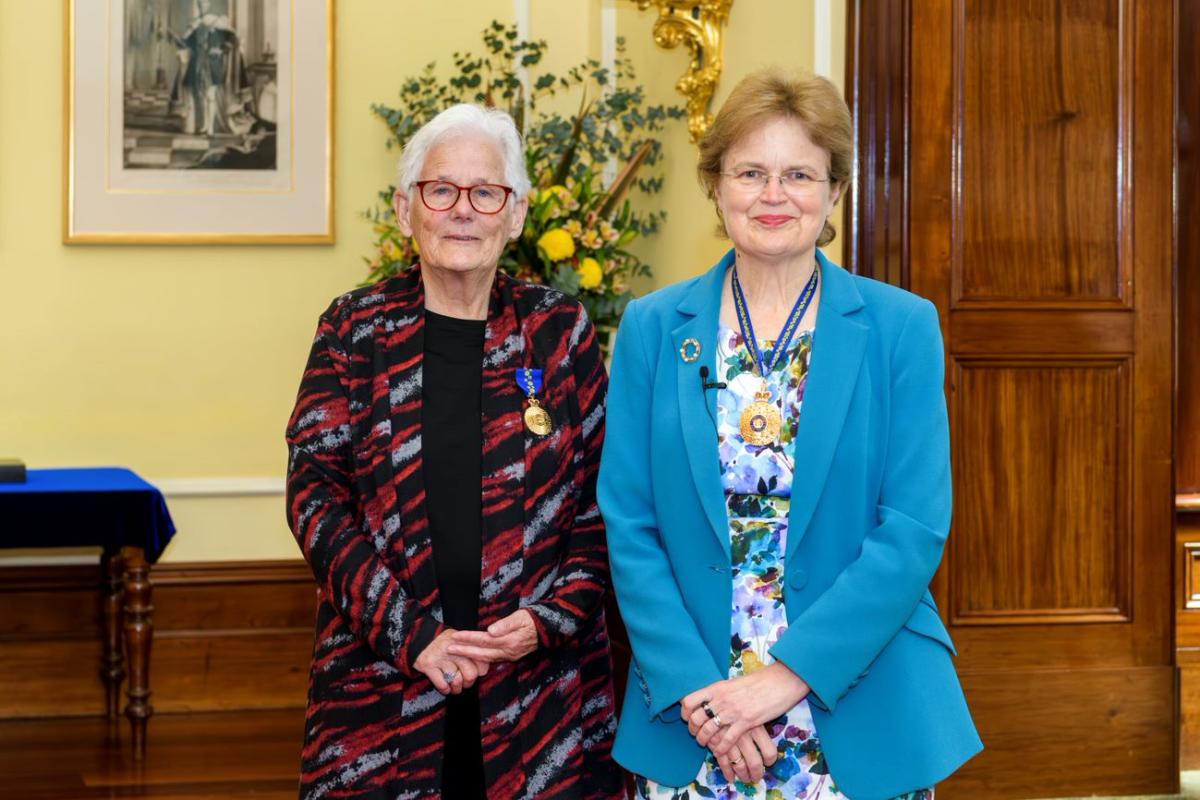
x=735 y=761
x=715 y=717
x=708 y=709
x=450 y=676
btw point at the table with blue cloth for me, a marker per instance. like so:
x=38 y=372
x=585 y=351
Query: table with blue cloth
x=111 y=508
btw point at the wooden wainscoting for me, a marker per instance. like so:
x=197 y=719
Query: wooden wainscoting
x=228 y=635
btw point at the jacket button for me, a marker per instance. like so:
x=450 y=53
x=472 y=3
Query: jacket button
x=797 y=578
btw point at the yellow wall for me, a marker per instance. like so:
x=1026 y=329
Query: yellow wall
x=182 y=362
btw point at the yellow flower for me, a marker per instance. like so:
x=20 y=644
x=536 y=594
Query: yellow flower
x=391 y=251
x=592 y=240
x=573 y=227
x=557 y=244
x=750 y=662
x=416 y=246
x=590 y=273
x=609 y=233
x=558 y=192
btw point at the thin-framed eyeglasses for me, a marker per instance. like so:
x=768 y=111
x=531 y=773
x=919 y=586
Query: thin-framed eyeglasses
x=793 y=181
x=486 y=198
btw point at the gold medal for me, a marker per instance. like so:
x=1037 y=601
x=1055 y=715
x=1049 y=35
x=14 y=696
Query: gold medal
x=760 y=421
x=537 y=419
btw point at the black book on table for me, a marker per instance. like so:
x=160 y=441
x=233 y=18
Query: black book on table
x=12 y=470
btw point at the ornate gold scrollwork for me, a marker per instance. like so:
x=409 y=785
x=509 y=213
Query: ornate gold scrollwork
x=698 y=24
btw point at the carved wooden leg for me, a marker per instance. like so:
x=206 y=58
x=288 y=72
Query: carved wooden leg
x=139 y=635
x=112 y=665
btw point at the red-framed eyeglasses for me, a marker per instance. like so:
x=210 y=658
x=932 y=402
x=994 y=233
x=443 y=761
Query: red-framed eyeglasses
x=486 y=198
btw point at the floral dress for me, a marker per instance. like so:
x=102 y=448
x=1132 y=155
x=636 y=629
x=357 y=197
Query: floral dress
x=758 y=488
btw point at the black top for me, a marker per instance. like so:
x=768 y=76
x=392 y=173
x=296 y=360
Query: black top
x=451 y=449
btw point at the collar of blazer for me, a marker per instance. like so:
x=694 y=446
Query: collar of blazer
x=839 y=342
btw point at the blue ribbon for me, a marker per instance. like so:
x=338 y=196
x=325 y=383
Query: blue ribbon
x=524 y=377
x=789 y=327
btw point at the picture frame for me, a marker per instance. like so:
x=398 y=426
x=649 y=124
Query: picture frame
x=198 y=122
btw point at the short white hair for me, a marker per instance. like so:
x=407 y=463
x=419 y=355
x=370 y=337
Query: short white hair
x=465 y=119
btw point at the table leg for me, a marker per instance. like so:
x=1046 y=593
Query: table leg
x=112 y=664
x=139 y=635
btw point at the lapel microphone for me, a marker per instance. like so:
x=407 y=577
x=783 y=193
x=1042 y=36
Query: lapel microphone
x=706 y=384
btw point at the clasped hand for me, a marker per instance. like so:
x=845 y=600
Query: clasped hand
x=456 y=659
x=735 y=731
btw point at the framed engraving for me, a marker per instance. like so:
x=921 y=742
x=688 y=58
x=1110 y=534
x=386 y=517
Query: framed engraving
x=198 y=121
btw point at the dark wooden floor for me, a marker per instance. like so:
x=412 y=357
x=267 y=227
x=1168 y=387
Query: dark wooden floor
x=209 y=756
x=189 y=757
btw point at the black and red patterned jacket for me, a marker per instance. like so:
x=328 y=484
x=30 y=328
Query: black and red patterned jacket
x=375 y=726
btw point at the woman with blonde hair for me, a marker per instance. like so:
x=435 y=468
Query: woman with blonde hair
x=776 y=489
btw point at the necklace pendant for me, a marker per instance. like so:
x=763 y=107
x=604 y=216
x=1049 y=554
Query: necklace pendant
x=537 y=419
x=760 y=422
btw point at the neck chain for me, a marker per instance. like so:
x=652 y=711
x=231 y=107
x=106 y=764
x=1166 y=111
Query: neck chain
x=761 y=420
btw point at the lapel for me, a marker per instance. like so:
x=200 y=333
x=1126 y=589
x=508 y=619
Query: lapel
x=503 y=457
x=839 y=342
x=398 y=359
x=701 y=307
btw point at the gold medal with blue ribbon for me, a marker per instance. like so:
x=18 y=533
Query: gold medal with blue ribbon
x=537 y=419
x=760 y=422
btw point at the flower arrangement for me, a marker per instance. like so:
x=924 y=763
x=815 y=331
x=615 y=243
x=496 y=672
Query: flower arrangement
x=584 y=168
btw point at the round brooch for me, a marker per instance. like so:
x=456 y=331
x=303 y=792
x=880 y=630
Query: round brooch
x=689 y=351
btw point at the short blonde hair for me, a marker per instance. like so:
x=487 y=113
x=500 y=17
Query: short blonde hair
x=767 y=95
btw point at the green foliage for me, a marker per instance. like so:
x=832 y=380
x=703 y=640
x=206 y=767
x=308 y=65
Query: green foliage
x=614 y=130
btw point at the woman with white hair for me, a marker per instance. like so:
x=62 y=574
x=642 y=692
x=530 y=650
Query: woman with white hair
x=444 y=450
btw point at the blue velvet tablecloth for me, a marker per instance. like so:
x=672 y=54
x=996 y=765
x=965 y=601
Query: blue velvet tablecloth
x=103 y=506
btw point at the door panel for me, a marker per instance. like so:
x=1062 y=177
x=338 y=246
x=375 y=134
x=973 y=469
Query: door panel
x=1036 y=85
x=1032 y=435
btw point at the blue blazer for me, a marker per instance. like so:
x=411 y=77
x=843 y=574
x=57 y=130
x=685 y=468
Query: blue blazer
x=869 y=515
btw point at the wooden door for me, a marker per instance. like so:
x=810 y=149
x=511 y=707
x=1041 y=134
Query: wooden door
x=1027 y=191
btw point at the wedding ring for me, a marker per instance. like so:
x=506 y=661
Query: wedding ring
x=717 y=719
x=708 y=709
x=736 y=761
x=450 y=676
